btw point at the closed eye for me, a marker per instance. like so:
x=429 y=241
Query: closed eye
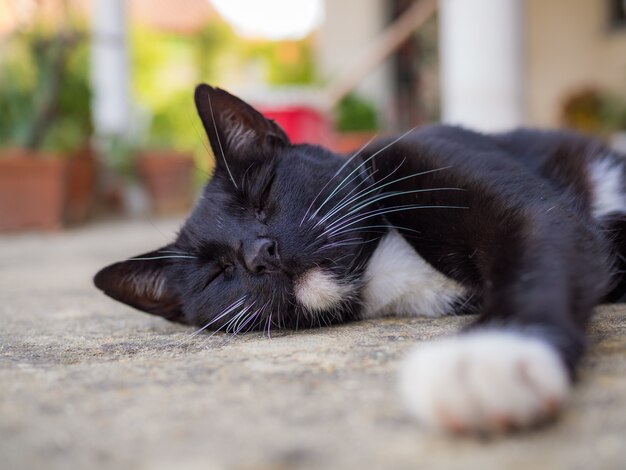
x=265 y=195
x=260 y=211
x=215 y=272
x=266 y=191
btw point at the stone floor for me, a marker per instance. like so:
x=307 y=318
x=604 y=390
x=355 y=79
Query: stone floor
x=88 y=383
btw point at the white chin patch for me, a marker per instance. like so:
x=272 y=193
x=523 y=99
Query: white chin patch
x=319 y=290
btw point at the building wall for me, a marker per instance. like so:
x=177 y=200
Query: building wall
x=570 y=46
x=348 y=30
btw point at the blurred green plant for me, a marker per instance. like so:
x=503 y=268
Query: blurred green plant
x=44 y=90
x=356 y=114
x=594 y=111
x=284 y=62
x=121 y=152
x=167 y=66
x=613 y=113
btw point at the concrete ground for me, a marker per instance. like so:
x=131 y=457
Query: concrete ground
x=86 y=382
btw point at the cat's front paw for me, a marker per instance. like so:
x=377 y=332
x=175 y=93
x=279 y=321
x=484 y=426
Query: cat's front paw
x=484 y=381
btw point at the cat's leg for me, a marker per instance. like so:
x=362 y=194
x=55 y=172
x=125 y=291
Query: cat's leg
x=522 y=244
x=514 y=367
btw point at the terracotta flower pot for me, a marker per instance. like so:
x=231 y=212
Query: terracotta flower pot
x=44 y=191
x=32 y=190
x=168 y=178
x=80 y=184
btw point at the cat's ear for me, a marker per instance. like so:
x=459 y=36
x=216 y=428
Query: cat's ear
x=141 y=283
x=233 y=126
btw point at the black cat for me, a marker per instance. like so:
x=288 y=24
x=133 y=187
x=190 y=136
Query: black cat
x=524 y=228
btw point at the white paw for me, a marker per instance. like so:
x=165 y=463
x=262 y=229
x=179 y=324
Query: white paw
x=484 y=381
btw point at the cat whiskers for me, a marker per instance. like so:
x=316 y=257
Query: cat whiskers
x=222 y=314
x=360 y=201
x=358 y=218
x=376 y=185
x=176 y=252
x=357 y=176
x=228 y=324
x=363 y=163
x=147 y=258
x=269 y=325
x=346 y=163
x=346 y=242
x=246 y=320
x=376 y=188
x=383 y=229
x=380 y=197
x=234 y=324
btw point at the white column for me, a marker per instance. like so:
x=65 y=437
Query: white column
x=349 y=27
x=109 y=68
x=482 y=63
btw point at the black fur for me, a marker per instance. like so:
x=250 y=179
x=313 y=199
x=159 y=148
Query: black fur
x=516 y=229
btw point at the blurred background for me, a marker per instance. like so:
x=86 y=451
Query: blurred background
x=96 y=96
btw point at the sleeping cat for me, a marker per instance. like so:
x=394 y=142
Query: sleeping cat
x=523 y=228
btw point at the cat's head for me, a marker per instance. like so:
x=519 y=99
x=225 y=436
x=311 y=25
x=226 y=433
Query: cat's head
x=278 y=237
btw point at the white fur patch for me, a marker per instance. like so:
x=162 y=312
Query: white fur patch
x=319 y=290
x=400 y=282
x=606 y=176
x=484 y=381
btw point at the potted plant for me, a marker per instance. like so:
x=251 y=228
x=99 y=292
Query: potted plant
x=167 y=176
x=165 y=166
x=613 y=118
x=356 y=123
x=594 y=111
x=47 y=170
x=582 y=110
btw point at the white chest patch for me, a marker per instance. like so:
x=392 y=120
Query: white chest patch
x=400 y=282
x=319 y=290
x=607 y=187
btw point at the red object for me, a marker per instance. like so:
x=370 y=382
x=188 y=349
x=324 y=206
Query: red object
x=303 y=124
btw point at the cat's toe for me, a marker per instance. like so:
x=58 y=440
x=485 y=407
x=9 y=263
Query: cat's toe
x=485 y=381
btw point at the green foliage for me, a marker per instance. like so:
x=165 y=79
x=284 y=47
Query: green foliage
x=72 y=127
x=165 y=69
x=613 y=113
x=215 y=48
x=120 y=152
x=286 y=62
x=167 y=66
x=356 y=114
x=17 y=83
x=27 y=68
x=594 y=111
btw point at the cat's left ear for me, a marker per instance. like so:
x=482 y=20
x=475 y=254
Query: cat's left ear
x=233 y=126
x=141 y=282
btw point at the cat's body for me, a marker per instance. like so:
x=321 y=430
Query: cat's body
x=523 y=228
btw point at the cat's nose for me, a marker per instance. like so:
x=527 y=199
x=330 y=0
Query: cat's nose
x=261 y=255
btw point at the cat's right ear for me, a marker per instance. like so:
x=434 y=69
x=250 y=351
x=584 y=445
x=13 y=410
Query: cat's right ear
x=141 y=282
x=233 y=126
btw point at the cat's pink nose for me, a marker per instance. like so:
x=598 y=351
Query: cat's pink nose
x=261 y=255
